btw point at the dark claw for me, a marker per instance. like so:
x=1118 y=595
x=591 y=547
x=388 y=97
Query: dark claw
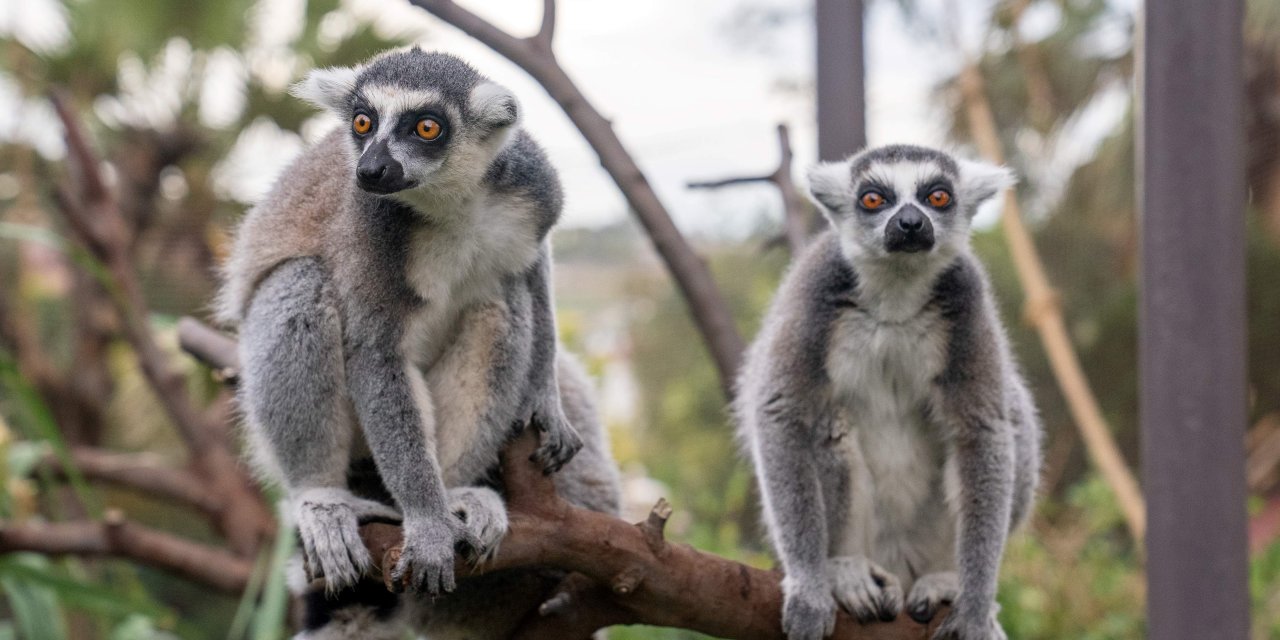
x=921 y=613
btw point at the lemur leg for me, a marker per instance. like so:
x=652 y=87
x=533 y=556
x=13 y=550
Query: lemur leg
x=484 y=516
x=930 y=593
x=293 y=392
x=560 y=441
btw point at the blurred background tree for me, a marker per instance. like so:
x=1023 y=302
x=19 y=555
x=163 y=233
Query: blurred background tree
x=183 y=95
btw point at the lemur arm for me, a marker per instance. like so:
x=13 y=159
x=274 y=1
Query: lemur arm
x=392 y=404
x=784 y=453
x=973 y=406
x=560 y=441
x=292 y=392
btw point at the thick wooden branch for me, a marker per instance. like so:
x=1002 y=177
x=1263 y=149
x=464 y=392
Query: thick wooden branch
x=706 y=302
x=96 y=221
x=117 y=537
x=793 y=211
x=639 y=577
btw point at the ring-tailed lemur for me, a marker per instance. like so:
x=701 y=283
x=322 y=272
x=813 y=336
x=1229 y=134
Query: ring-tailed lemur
x=393 y=300
x=895 y=442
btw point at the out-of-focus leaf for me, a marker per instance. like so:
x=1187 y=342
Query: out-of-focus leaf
x=76 y=593
x=269 y=619
x=138 y=627
x=249 y=601
x=36 y=614
x=46 y=430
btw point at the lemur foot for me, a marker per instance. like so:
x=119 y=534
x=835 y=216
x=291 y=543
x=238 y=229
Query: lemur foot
x=930 y=593
x=808 y=610
x=484 y=515
x=959 y=625
x=863 y=589
x=560 y=441
x=328 y=521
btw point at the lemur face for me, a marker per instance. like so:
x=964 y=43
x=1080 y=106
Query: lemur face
x=891 y=202
x=420 y=122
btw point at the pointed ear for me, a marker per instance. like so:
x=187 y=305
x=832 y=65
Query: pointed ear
x=831 y=186
x=980 y=181
x=328 y=88
x=495 y=106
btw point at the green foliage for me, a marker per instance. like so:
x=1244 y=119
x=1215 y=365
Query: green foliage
x=1074 y=574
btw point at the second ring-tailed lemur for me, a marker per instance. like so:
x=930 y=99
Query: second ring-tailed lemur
x=895 y=442
x=393 y=299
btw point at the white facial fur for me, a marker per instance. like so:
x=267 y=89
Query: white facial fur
x=328 y=88
x=836 y=191
x=898 y=284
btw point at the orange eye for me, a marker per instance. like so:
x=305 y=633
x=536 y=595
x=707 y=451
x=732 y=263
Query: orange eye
x=428 y=129
x=361 y=124
x=939 y=198
x=872 y=200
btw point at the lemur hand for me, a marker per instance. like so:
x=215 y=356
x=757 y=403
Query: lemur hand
x=328 y=521
x=960 y=624
x=560 y=441
x=864 y=589
x=808 y=609
x=426 y=557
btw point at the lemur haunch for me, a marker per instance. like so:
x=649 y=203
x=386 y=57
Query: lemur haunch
x=397 y=278
x=895 y=442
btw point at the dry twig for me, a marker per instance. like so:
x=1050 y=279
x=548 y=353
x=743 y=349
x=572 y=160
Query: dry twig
x=115 y=536
x=793 y=211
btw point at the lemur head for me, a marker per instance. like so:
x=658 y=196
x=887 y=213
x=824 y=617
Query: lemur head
x=422 y=123
x=903 y=202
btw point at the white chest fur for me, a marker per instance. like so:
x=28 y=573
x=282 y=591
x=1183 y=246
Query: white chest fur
x=460 y=259
x=882 y=375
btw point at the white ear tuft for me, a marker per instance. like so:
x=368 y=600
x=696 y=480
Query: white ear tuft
x=980 y=181
x=328 y=88
x=831 y=186
x=495 y=106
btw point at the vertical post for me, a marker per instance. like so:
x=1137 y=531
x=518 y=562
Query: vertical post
x=1192 y=319
x=841 y=97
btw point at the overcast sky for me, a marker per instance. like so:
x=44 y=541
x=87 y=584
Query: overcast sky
x=689 y=96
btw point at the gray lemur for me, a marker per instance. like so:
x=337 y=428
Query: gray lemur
x=393 y=299
x=895 y=442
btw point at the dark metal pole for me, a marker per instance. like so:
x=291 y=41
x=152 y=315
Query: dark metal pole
x=842 y=127
x=1192 y=319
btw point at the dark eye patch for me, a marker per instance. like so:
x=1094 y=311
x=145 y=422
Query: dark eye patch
x=933 y=184
x=408 y=122
x=872 y=184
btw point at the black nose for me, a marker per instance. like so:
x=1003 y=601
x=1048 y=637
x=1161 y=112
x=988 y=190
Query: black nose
x=379 y=172
x=910 y=221
x=909 y=231
x=371 y=174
